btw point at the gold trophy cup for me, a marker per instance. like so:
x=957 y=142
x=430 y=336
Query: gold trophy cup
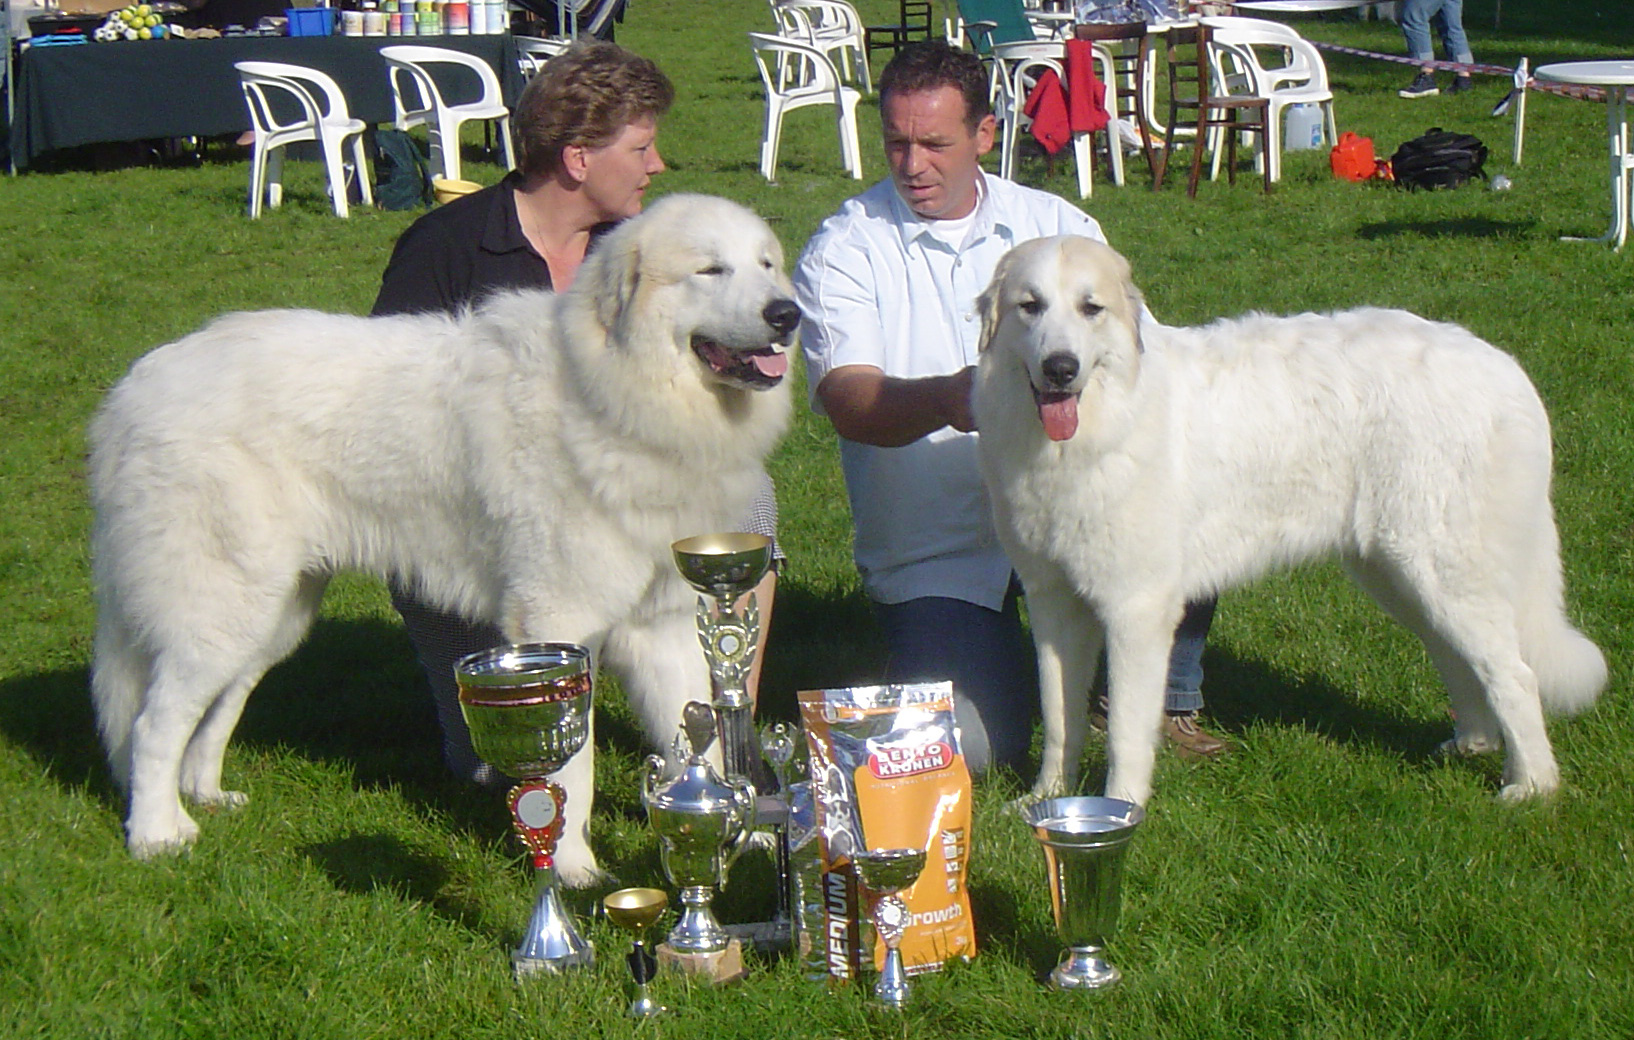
x=636 y=910
x=724 y=567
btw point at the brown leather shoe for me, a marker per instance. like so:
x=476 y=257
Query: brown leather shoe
x=1191 y=741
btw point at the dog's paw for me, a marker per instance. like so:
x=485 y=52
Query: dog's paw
x=151 y=844
x=577 y=868
x=226 y=800
x=1051 y=785
x=1525 y=791
x=1468 y=746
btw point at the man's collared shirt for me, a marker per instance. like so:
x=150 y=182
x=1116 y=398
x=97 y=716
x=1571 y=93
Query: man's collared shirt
x=877 y=288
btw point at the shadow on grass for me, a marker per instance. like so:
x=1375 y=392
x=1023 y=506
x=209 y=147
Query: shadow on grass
x=1471 y=227
x=353 y=695
x=1244 y=693
x=365 y=863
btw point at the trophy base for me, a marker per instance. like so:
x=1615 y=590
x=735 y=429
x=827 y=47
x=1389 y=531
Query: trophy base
x=1083 y=970
x=717 y=968
x=763 y=937
x=523 y=966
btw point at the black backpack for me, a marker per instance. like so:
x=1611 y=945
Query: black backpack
x=402 y=178
x=1439 y=159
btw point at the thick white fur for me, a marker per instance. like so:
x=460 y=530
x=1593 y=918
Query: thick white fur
x=528 y=464
x=1417 y=453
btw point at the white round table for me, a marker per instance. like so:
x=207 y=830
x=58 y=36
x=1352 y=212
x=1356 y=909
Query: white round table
x=1301 y=6
x=1616 y=77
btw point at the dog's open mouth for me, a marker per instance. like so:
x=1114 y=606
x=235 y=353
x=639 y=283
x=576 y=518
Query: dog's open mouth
x=1058 y=410
x=761 y=368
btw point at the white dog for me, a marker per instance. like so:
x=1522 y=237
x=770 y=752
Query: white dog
x=526 y=464
x=1134 y=467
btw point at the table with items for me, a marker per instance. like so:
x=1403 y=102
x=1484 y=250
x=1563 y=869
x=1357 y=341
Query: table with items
x=102 y=92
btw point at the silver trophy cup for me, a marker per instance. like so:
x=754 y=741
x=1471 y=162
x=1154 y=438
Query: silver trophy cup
x=1084 y=841
x=723 y=567
x=528 y=709
x=703 y=823
x=885 y=873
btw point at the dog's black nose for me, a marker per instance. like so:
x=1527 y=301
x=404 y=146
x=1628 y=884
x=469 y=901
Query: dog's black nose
x=782 y=315
x=1060 y=369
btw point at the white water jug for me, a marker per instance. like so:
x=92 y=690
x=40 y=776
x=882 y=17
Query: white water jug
x=1304 y=128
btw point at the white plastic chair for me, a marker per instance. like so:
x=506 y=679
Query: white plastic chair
x=1017 y=68
x=532 y=52
x=814 y=81
x=273 y=91
x=1237 y=60
x=418 y=102
x=830 y=26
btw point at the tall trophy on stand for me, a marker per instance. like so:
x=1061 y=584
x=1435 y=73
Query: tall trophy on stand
x=528 y=708
x=725 y=568
x=1084 y=840
x=702 y=823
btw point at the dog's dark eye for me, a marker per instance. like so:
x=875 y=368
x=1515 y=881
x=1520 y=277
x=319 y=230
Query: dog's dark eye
x=713 y=269
x=1031 y=306
x=1089 y=308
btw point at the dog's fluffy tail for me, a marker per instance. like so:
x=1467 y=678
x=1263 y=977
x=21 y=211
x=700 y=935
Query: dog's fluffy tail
x=119 y=677
x=1570 y=669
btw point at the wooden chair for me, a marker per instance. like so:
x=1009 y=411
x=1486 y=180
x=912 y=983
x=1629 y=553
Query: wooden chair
x=1215 y=115
x=913 y=22
x=1123 y=48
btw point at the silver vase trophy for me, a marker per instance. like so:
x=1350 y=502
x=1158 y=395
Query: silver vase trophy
x=724 y=568
x=702 y=823
x=528 y=709
x=885 y=873
x=1084 y=841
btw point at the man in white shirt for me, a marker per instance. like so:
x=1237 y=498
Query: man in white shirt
x=888 y=286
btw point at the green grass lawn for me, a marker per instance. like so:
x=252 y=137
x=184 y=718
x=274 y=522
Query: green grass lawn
x=1330 y=879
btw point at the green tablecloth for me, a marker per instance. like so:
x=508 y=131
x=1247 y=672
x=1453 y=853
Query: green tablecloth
x=133 y=91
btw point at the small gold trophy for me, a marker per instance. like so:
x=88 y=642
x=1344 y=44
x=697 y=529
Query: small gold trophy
x=528 y=708
x=636 y=910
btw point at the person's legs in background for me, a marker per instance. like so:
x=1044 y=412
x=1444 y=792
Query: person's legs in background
x=441 y=639
x=1415 y=26
x=1449 y=23
x=1183 y=699
x=990 y=661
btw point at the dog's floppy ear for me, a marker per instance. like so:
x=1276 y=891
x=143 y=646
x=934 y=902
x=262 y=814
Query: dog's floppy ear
x=1137 y=300
x=987 y=304
x=614 y=269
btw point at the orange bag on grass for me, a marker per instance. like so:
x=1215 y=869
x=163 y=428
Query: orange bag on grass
x=887 y=772
x=1352 y=158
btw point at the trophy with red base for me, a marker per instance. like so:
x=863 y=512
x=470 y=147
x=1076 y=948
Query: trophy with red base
x=528 y=708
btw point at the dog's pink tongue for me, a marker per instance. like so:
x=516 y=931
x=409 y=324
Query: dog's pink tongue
x=1059 y=413
x=773 y=364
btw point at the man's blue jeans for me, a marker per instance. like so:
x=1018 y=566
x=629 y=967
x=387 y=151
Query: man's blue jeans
x=1448 y=18
x=989 y=658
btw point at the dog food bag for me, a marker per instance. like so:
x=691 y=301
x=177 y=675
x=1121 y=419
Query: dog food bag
x=886 y=773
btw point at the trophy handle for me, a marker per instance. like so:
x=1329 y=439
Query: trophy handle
x=655 y=774
x=743 y=800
